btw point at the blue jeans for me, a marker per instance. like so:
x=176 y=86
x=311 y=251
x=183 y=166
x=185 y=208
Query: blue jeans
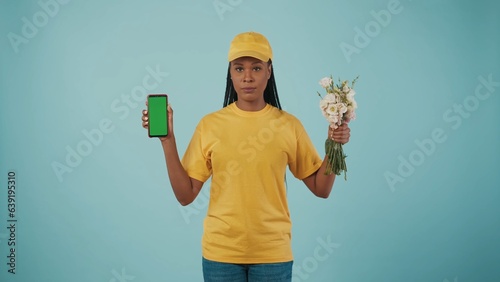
x=263 y=272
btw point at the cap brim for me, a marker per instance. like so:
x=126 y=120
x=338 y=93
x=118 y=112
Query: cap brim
x=247 y=53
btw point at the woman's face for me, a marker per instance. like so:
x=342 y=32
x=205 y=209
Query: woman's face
x=250 y=76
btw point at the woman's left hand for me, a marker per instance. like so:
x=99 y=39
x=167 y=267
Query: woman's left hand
x=341 y=134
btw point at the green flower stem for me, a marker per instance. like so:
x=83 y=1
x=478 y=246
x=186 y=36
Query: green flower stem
x=336 y=158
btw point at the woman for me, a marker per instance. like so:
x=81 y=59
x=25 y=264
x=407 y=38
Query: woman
x=245 y=147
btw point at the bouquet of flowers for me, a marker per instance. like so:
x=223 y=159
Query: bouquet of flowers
x=338 y=106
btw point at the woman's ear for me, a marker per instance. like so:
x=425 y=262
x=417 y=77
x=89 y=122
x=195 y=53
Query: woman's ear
x=270 y=69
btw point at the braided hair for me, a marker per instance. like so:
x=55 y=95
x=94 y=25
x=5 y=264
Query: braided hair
x=270 y=93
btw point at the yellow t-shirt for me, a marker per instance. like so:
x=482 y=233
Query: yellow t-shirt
x=247 y=153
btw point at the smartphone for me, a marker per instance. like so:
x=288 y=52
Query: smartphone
x=157 y=115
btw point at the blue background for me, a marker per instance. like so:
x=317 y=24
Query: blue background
x=406 y=212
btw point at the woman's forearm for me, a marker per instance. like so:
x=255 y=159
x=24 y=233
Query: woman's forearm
x=323 y=183
x=183 y=188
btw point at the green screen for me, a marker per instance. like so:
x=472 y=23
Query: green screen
x=157 y=116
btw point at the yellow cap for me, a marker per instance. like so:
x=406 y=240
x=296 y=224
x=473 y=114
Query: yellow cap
x=250 y=44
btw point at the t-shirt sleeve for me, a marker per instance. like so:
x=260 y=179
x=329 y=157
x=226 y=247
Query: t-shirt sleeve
x=307 y=159
x=196 y=160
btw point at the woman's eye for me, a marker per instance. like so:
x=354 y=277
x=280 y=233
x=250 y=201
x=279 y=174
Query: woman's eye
x=239 y=69
x=257 y=68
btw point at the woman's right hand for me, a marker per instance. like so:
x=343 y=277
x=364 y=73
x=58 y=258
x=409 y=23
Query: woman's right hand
x=145 y=122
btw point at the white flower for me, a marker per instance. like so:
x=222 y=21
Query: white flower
x=330 y=98
x=327 y=100
x=349 y=115
x=323 y=104
x=333 y=119
x=345 y=88
x=352 y=116
x=354 y=104
x=342 y=108
x=325 y=82
x=332 y=109
x=350 y=94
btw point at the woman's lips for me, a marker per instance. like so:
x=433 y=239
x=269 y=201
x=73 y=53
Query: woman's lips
x=248 y=89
